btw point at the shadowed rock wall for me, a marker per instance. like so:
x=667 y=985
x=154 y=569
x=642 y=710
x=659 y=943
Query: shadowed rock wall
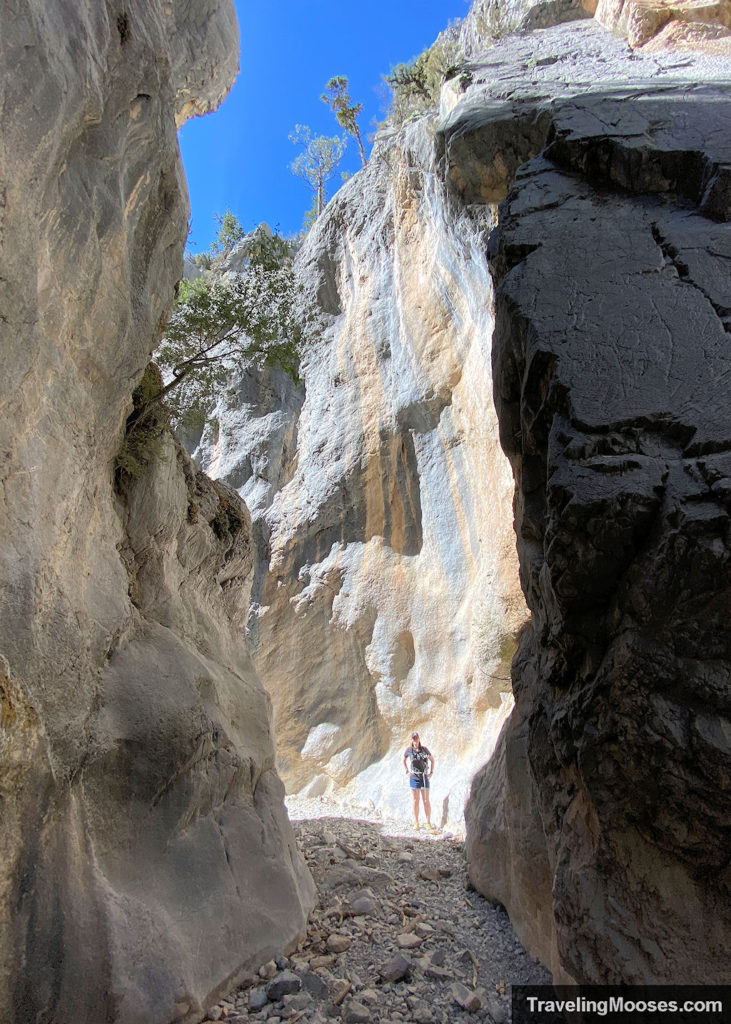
x=602 y=821
x=145 y=857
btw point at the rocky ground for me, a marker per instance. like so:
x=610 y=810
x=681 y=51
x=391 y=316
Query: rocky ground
x=396 y=935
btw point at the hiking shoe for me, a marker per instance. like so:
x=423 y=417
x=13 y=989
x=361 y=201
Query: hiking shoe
x=416 y=825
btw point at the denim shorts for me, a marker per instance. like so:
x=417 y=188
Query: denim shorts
x=421 y=783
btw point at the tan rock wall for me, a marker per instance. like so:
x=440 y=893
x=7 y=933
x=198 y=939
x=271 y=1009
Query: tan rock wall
x=387 y=595
x=700 y=25
x=134 y=734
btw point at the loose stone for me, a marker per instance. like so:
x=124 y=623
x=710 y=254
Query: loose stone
x=257 y=998
x=395 y=969
x=318 y=962
x=465 y=998
x=364 y=905
x=375 y=978
x=298 y=1001
x=497 y=1008
x=283 y=985
x=315 y=985
x=439 y=973
x=357 y=1013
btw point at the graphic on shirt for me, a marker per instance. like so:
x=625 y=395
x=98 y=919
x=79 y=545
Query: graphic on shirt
x=419 y=761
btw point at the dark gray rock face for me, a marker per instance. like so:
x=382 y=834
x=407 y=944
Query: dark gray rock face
x=602 y=821
x=145 y=856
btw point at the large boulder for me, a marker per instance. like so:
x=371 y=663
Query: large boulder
x=602 y=821
x=145 y=857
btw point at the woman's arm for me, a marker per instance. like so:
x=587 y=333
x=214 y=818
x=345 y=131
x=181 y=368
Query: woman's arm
x=431 y=762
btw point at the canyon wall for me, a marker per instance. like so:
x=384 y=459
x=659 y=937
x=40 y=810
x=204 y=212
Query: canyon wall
x=490 y=20
x=385 y=588
x=386 y=597
x=145 y=856
x=602 y=820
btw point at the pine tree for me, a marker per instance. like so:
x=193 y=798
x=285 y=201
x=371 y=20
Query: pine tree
x=316 y=165
x=346 y=112
x=230 y=232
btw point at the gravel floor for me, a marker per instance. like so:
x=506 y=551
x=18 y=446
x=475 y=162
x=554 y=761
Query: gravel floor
x=397 y=935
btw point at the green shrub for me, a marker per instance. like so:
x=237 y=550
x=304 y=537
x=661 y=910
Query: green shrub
x=144 y=438
x=229 y=517
x=416 y=85
x=224 y=323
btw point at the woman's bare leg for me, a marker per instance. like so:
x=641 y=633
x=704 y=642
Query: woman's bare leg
x=427 y=805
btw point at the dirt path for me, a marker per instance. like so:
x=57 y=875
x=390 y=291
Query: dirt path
x=396 y=935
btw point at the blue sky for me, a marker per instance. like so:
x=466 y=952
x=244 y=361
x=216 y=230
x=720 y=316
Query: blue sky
x=238 y=158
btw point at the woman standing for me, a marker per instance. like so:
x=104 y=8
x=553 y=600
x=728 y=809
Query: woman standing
x=421 y=759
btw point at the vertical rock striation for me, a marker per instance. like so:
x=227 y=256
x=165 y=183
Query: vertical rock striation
x=602 y=821
x=387 y=595
x=145 y=857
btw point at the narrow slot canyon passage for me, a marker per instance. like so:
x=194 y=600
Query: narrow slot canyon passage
x=430 y=486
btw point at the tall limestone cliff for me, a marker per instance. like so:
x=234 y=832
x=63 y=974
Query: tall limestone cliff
x=387 y=594
x=385 y=591
x=145 y=856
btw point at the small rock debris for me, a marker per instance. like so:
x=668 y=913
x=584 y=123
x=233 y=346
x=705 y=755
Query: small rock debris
x=403 y=944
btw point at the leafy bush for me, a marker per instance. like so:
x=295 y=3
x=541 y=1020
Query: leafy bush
x=143 y=441
x=224 y=324
x=229 y=517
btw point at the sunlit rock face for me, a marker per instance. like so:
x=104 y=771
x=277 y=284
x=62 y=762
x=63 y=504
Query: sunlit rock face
x=488 y=20
x=700 y=25
x=703 y=26
x=144 y=854
x=387 y=596
x=600 y=821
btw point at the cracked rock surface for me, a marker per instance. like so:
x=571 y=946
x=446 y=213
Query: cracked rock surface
x=602 y=821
